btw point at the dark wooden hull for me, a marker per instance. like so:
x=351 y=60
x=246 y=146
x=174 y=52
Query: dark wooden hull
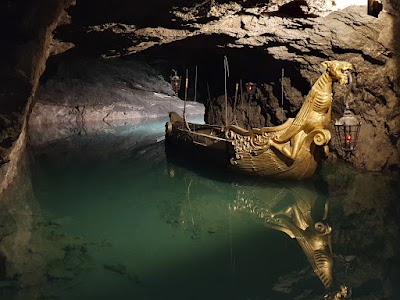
x=201 y=146
x=211 y=145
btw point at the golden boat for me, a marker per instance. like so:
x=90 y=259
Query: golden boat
x=288 y=151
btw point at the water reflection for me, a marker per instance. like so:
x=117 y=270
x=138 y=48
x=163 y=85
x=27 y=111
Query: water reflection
x=157 y=234
x=365 y=226
x=290 y=211
x=36 y=259
x=289 y=207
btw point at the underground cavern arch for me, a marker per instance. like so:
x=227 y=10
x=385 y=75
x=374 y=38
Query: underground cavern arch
x=53 y=49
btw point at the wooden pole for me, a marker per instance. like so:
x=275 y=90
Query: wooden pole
x=241 y=92
x=234 y=103
x=283 y=74
x=209 y=94
x=186 y=88
x=226 y=89
x=195 y=85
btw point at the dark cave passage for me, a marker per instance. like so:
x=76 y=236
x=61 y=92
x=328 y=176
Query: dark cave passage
x=246 y=64
x=206 y=52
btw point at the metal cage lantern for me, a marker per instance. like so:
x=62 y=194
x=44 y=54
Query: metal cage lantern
x=175 y=82
x=347 y=129
x=251 y=88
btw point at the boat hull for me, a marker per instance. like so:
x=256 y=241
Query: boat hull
x=217 y=147
x=186 y=147
x=273 y=164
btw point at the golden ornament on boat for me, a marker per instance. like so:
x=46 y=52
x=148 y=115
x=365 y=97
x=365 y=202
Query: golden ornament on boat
x=289 y=151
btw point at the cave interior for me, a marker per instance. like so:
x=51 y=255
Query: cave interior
x=279 y=45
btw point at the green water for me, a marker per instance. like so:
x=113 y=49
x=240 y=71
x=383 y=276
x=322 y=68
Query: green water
x=123 y=223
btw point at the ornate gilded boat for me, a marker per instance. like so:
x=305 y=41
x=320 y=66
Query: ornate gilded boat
x=288 y=151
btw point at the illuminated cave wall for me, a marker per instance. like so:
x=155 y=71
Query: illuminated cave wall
x=242 y=30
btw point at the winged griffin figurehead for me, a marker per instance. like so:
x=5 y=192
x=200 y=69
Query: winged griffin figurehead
x=315 y=114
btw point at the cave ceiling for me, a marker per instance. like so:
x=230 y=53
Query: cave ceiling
x=254 y=35
x=282 y=27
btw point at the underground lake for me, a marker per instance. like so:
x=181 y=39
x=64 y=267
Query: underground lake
x=104 y=214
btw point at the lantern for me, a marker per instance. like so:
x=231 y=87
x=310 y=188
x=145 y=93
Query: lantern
x=175 y=82
x=347 y=129
x=251 y=88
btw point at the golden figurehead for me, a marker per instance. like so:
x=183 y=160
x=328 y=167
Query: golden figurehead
x=290 y=150
x=316 y=110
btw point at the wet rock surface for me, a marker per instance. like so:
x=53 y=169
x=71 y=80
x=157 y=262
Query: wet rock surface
x=26 y=39
x=108 y=91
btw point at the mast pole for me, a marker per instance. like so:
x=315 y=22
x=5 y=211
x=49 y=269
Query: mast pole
x=226 y=67
x=234 y=103
x=195 y=85
x=186 y=88
x=283 y=74
x=209 y=96
x=241 y=91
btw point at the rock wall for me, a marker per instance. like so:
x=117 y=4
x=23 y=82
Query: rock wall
x=98 y=90
x=26 y=44
x=369 y=44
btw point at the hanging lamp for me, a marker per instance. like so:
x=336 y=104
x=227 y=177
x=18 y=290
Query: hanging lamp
x=175 y=82
x=347 y=127
x=251 y=88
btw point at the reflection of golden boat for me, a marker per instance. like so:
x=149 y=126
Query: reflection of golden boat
x=291 y=150
x=290 y=211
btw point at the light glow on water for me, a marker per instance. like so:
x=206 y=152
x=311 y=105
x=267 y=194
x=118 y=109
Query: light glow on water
x=109 y=220
x=172 y=237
